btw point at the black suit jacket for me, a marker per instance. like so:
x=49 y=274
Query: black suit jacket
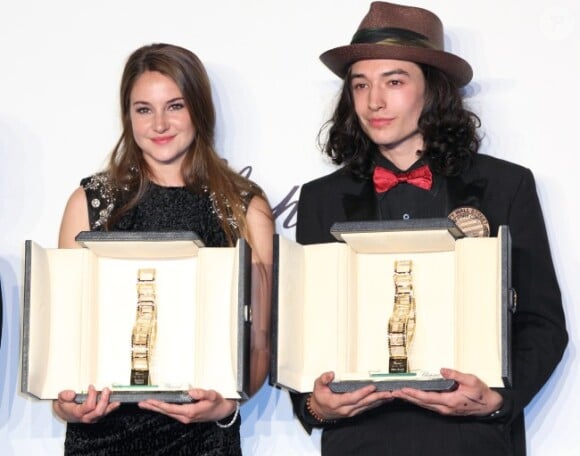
x=506 y=194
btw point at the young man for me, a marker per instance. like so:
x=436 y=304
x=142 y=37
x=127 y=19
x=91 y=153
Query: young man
x=408 y=149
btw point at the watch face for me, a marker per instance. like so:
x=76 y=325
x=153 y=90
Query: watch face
x=398 y=365
x=139 y=377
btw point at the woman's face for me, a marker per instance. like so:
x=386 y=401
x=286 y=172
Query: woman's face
x=162 y=126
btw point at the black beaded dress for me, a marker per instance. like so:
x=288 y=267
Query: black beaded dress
x=130 y=430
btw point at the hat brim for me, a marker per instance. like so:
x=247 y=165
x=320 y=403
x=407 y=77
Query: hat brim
x=339 y=59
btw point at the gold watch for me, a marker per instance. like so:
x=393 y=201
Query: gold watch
x=401 y=325
x=144 y=329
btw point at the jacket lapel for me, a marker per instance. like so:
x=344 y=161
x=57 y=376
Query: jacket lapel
x=360 y=203
x=467 y=189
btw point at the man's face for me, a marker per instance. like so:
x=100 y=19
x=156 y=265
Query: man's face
x=389 y=96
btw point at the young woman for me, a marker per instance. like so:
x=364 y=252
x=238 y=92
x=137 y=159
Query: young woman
x=165 y=175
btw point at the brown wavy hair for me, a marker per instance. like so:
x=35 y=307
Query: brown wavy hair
x=202 y=168
x=449 y=129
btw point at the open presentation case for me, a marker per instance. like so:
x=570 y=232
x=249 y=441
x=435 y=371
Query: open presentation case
x=332 y=304
x=80 y=310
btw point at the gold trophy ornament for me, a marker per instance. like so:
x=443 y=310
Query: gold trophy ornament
x=401 y=325
x=144 y=329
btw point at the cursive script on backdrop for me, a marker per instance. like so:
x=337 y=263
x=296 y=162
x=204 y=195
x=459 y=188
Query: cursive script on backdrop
x=286 y=209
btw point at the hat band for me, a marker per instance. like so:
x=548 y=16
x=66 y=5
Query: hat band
x=392 y=37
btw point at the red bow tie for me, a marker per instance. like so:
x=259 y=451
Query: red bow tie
x=385 y=179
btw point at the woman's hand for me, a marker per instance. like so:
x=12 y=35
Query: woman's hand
x=328 y=405
x=471 y=397
x=209 y=405
x=90 y=411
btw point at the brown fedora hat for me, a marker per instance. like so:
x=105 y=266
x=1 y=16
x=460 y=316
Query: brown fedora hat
x=398 y=32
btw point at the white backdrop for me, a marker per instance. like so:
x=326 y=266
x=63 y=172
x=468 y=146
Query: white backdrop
x=61 y=63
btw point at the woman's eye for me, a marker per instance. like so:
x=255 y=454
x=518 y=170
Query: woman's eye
x=176 y=106
x=142 y=110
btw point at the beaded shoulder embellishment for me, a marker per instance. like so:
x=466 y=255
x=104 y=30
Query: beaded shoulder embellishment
x=101 y=195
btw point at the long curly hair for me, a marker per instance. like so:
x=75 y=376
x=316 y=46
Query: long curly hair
x=449 y=130
x=202 y=168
